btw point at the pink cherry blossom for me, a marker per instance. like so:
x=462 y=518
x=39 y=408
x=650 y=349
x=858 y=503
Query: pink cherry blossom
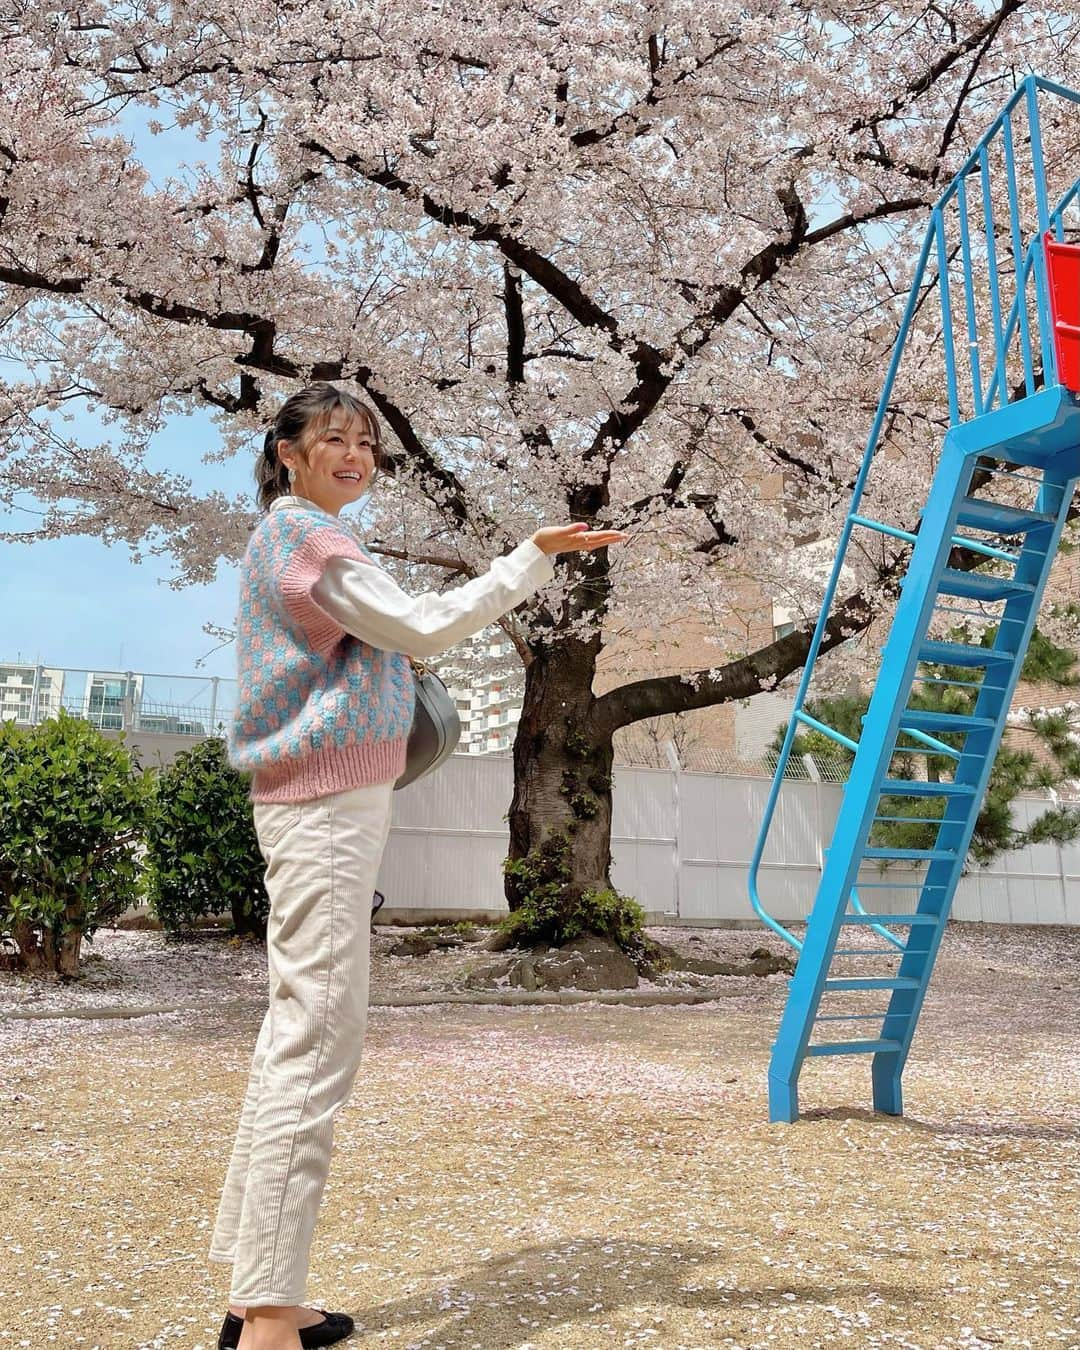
x=641 y=266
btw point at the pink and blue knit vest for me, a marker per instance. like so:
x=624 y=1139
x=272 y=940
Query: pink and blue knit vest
x=318 y=711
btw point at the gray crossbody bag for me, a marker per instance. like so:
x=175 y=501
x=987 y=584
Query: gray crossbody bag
x=436 y=727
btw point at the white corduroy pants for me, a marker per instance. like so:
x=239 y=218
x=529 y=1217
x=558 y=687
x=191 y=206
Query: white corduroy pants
x=322 y=862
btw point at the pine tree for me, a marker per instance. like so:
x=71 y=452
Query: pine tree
x=953 y=689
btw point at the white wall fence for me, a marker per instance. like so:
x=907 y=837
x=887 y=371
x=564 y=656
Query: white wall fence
x=682 y=844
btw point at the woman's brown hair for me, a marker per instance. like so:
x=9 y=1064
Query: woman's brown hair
x=301 y=417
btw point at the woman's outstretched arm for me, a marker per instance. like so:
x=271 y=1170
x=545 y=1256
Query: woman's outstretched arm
x=368 y=603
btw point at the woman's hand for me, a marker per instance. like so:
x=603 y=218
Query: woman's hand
x=576 y=538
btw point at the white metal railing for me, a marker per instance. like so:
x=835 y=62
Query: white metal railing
x=137 y=701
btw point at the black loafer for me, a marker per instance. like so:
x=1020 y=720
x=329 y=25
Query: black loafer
x=336 y=1327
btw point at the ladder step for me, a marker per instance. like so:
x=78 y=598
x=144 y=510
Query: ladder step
x=901 y=787
x=853 y=1017
x=979 y=586
x=886 y=982
x=895 y=885
x=984 y=550
x=852 y=1047
x=972 y=686
x=912 y=854
x=909 y=820
x=941 y=721
x=866 y=951
x=904 y=920
x=962 y=654
x=977 y=514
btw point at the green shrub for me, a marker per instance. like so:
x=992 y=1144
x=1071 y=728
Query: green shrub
x=549 y=909
x=538 y=881
x=73 y=804
x=203 y=855
x=612 y=915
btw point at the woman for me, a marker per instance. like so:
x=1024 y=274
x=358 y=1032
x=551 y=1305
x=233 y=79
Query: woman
x=324 y=711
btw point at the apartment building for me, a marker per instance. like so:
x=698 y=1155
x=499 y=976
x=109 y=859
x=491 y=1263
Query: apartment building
x=29 y=693
x=486 y=680
x=111 y=700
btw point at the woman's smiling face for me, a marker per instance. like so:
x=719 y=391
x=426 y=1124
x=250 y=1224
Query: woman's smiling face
x=335 y=465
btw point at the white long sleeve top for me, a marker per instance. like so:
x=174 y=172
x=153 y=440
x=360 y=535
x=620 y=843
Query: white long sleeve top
x=368 y=603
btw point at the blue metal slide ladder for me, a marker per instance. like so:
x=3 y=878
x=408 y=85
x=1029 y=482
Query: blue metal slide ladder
x=979 y=557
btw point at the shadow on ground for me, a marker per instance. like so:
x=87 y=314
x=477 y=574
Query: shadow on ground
x=983 y=1128
x=568 y=1285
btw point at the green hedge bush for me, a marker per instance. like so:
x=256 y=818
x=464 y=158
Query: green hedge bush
x=203 y=856
x=73 y=805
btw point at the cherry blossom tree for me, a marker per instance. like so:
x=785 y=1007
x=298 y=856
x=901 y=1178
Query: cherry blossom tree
x=624 y=263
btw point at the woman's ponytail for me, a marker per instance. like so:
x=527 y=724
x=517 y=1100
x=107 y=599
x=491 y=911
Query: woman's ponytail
x=271 y=476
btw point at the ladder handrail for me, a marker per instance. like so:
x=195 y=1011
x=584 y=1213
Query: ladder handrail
x=1013 y=318
x=830 y=591
x=1033 y=256
x=1029 y=259
x=1057 y=213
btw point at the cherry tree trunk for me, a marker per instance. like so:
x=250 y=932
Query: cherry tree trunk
x=562 y=772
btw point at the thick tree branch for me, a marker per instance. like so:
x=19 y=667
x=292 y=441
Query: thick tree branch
x=234 y=320
x=632 y=121
x=570 y=294
x=455 y=566
x=667 y=491
x=515 y=326
x=653 y=382
x=536 y=436
x=757 y=671
x=916 y=88
x=722 y=536
x=850 y=221
x=743 y=678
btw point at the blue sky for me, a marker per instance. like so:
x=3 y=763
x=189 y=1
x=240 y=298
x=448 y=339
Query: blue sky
x=81 y=603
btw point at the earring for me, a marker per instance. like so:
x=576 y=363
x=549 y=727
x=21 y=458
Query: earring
x=292 y=476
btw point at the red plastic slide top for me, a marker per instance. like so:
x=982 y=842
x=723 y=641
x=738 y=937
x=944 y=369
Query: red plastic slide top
x=1063 y=271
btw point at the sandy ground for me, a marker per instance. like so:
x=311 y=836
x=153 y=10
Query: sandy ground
x=560 y=1177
